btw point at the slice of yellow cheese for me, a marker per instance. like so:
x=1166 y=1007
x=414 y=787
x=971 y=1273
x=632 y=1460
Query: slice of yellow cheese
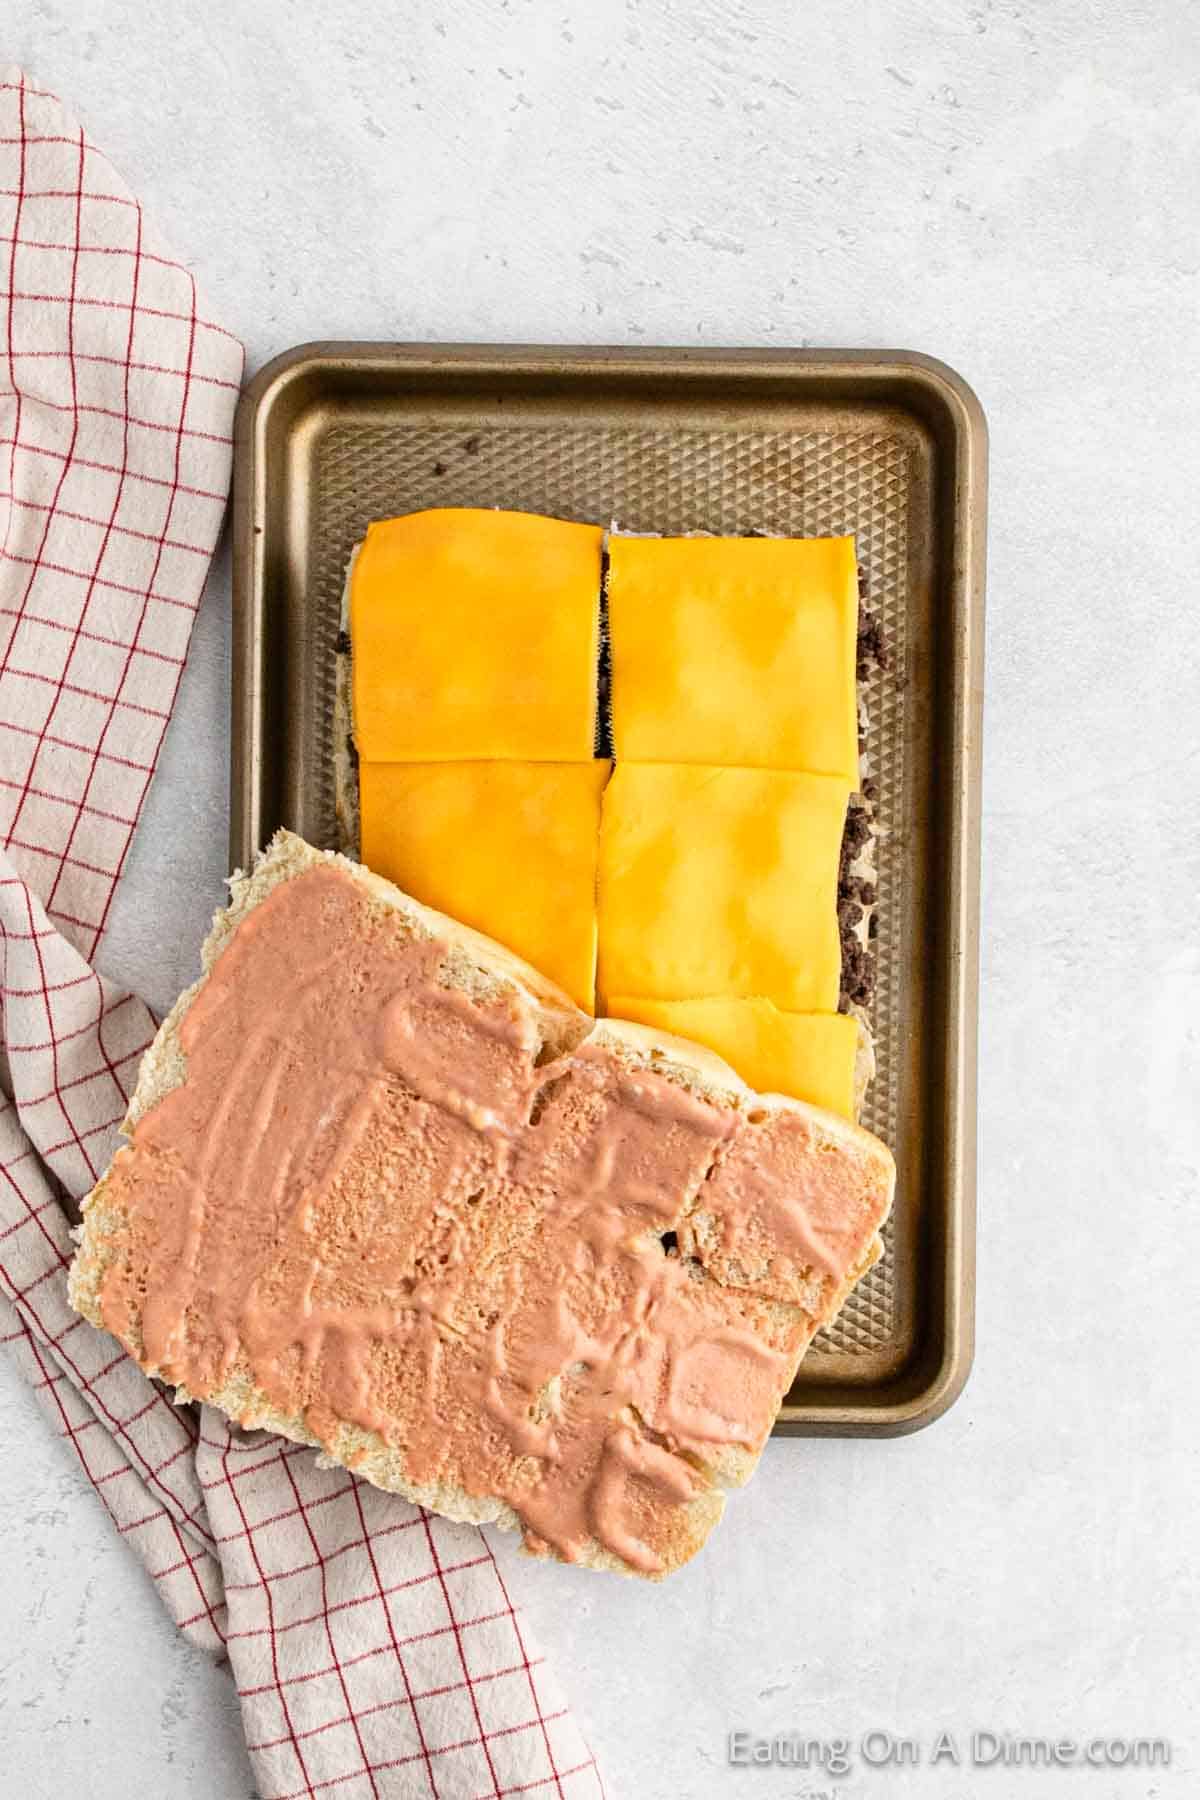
x=475 y=634
x=721 y=881
x=809 y=1056
x=507 y=847
x=735 y=651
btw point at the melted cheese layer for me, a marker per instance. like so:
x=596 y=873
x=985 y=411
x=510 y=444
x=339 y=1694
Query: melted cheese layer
x=735 y=651
x=509 y=848
x=809 y=1056
x=721 y=881
x=475 y=634
x=706 y=883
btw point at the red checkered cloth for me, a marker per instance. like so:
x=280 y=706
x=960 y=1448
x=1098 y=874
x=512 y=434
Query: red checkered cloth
x=375 y=1647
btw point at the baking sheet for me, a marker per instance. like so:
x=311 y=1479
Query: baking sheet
x=887 y=446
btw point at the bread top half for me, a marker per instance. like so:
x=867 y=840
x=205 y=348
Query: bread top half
x=387 y=1191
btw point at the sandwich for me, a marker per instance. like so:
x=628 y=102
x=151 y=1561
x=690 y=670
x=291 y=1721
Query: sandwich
x=388 y=1191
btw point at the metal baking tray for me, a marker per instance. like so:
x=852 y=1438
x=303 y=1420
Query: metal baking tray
x=886 y=445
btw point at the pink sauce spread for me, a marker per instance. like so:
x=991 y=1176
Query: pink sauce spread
x=369 y=1197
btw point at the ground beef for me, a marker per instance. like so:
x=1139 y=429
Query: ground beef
x=858 y=976
x=604 y=737
x=856 y=895
x=874 y=651
x=856 y=834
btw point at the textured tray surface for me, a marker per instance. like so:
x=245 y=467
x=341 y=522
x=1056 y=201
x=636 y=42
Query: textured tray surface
x=347 y=451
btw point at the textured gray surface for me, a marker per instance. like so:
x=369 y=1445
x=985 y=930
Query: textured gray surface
x=1012 y=186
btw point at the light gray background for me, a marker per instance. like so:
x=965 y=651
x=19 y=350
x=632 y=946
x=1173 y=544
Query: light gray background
x=1014 y=188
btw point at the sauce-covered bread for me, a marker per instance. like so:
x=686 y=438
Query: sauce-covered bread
x=390 y=1193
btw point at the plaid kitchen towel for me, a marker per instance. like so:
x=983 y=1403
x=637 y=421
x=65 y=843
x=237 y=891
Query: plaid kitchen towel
x=375 y=1647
